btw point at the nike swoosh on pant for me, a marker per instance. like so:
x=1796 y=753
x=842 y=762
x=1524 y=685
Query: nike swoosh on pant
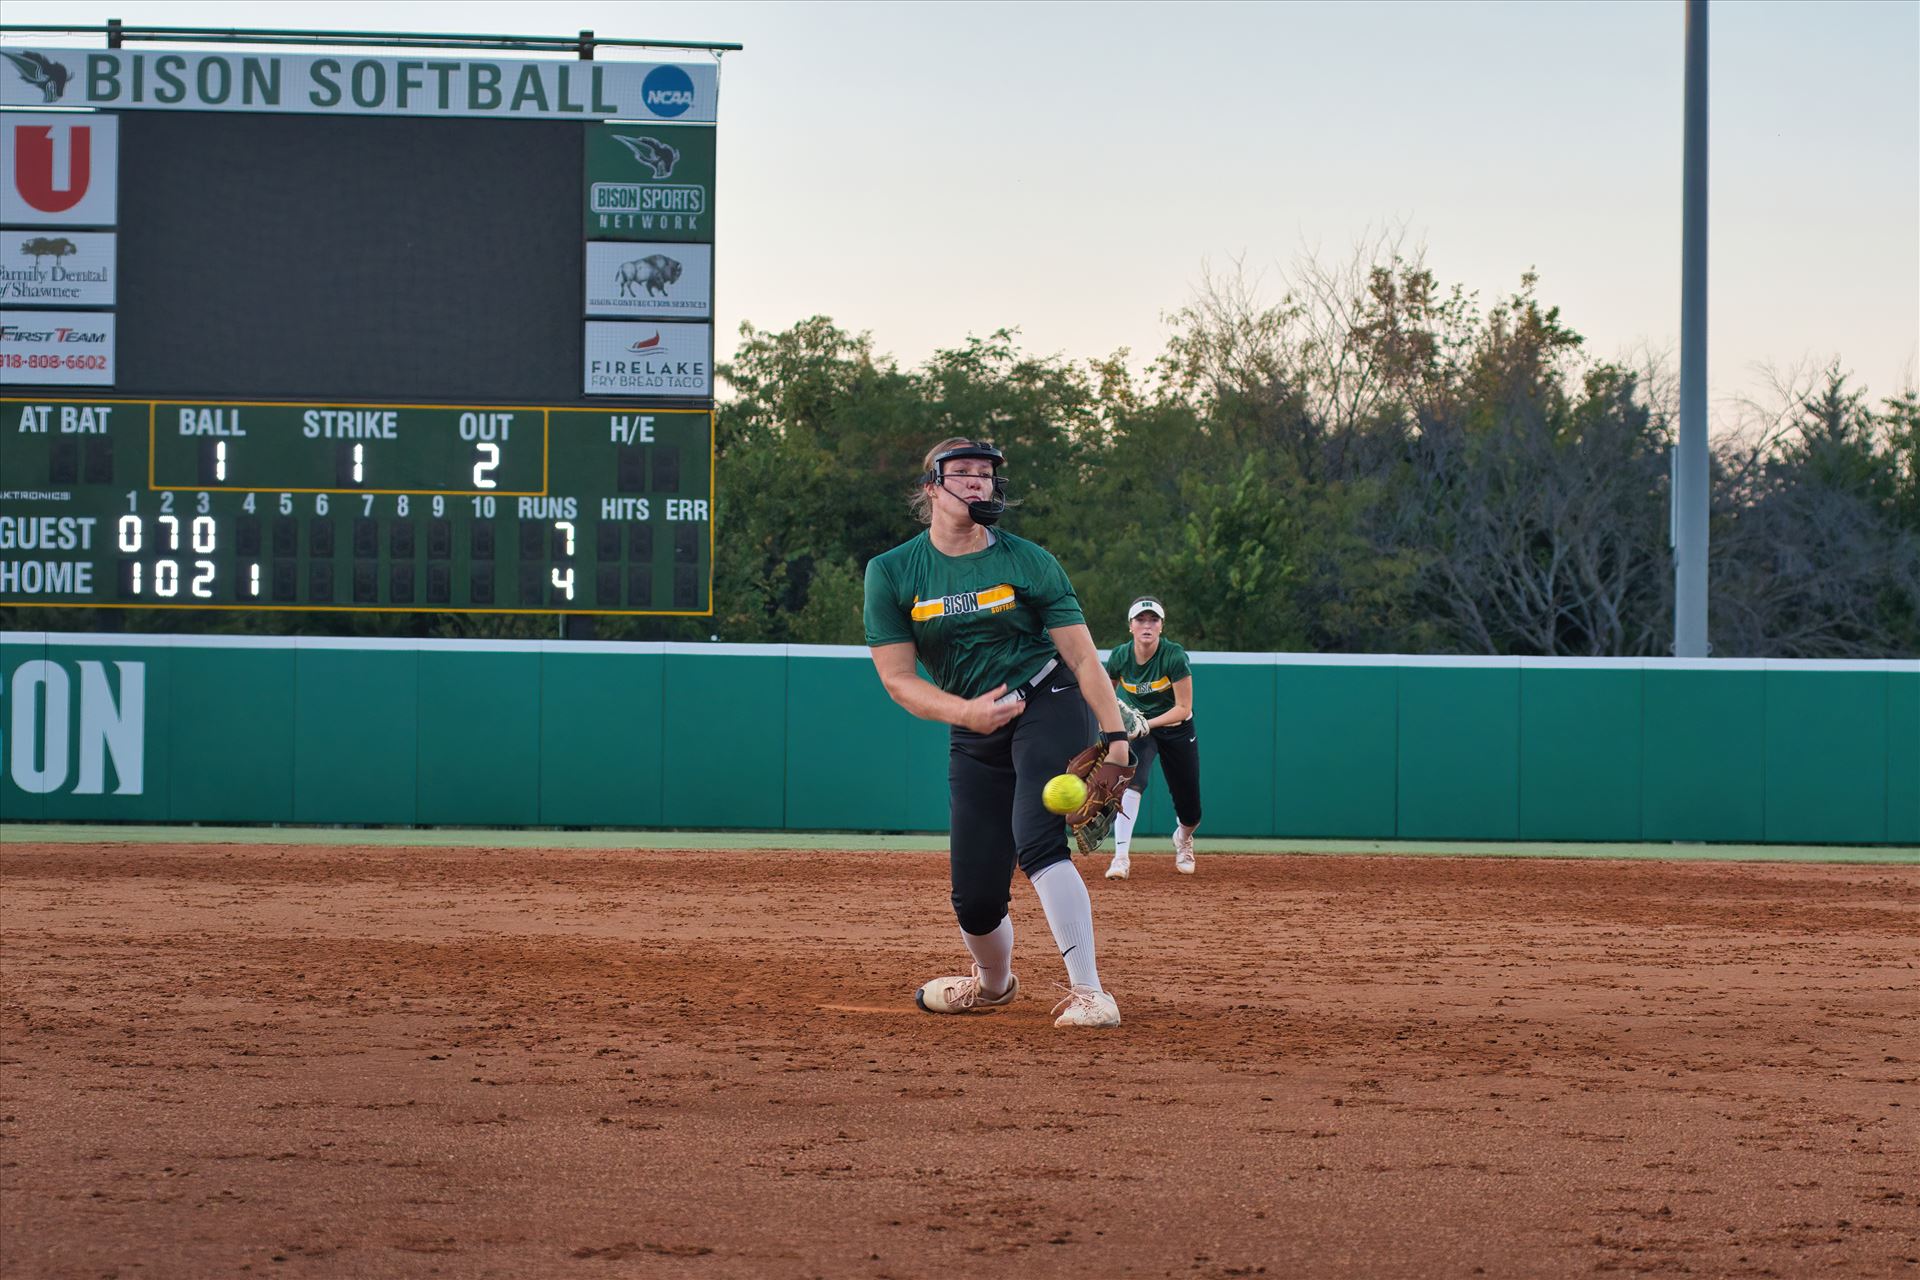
x=1062 y=688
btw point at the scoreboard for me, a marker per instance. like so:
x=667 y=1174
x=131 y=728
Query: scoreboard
x=151 y=503
x=286 y=331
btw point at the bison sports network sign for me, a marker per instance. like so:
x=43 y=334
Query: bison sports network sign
x=124 y=79
x=649 y=182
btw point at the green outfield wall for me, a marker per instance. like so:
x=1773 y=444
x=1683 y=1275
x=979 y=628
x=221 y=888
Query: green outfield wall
x=802 y=738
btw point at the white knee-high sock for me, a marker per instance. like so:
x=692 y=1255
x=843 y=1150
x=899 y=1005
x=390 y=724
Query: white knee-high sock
x=1123 y=822
x=1063 y=896
x=993 y=952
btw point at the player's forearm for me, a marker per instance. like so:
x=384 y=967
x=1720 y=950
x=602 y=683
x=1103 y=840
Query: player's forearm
x=922 y=698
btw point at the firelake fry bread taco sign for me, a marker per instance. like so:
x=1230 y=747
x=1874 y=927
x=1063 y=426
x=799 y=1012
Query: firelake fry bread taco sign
x=342 y=84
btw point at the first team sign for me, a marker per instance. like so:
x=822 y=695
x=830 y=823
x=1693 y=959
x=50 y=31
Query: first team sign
x=123 y=79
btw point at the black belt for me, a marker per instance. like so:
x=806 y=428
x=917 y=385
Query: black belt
x=1025 y=690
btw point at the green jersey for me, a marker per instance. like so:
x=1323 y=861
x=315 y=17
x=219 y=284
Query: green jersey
x=1149 y=685
x=975 y=621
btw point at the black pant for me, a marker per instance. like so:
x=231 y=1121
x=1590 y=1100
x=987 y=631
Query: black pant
x=1179 y=747
x=994 y=781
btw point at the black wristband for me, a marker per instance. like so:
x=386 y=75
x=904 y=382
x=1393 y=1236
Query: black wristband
x=1112 y=736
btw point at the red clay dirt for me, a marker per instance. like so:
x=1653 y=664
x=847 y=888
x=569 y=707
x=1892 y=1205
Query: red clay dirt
x=306 y=1061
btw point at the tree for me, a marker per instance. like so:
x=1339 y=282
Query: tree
x=1813 y=553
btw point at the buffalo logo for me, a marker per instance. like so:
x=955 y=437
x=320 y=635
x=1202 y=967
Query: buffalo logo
x=651 y=152
x=653 y=273
x=40 y=247
x=647 y=344
x=42 y=72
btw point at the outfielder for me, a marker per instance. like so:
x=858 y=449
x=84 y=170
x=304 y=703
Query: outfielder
x=1153 y=677
x=995 y=623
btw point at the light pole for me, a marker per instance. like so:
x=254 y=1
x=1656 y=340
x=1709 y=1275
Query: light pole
x=1690 y=489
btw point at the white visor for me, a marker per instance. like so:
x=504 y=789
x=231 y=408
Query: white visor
x=1145 y=604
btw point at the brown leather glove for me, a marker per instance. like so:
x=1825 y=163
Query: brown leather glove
x=1106 y=785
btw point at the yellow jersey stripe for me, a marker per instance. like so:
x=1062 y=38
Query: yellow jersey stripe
x=1155 y=687
x=1002 y=594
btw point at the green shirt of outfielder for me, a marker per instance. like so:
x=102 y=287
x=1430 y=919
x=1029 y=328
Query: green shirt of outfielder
x=1148 y=685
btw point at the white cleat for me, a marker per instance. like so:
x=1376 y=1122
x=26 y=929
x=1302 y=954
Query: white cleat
x=1087 y=1007
x=962 y=994
x=1121 y=866
x=1183 y=851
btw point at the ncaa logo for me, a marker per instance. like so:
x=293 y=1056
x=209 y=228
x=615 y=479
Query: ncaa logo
x=667 y=91
x=59 y=170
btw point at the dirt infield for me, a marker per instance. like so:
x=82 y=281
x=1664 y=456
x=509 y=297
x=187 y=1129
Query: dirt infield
x=504 y=1062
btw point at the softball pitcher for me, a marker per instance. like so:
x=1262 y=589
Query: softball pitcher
x=1153 y=676
x=995 y=623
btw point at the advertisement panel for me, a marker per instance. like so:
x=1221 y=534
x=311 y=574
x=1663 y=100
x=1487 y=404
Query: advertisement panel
x=51 y=268
x=56 y=348
x=58 y=169
x=649 y=182
x=344 y=85
x=630 y=358
x=665 y=281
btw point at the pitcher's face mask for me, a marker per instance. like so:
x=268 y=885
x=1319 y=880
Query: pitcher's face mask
x=983 y=510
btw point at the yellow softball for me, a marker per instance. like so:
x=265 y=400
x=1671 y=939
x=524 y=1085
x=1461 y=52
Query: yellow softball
x=1064 y=794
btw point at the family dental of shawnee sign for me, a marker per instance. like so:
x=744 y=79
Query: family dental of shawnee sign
x=112 y=79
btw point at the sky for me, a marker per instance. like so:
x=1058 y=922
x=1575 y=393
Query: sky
x=924 y=172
